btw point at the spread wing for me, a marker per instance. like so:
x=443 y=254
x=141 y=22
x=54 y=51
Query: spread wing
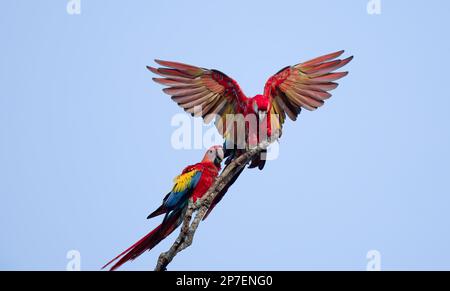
x=200 y=92
x=304 y=85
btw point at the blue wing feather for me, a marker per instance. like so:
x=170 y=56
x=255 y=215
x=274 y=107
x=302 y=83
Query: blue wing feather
x=178 y=196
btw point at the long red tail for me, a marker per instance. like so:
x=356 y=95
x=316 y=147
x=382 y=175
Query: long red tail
x=149 y=241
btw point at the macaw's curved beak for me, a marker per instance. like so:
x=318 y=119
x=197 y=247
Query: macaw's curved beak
x=219 y=156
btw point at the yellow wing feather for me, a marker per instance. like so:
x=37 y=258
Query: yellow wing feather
x=182 y=181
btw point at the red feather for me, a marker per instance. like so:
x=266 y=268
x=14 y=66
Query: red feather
x=147 y=242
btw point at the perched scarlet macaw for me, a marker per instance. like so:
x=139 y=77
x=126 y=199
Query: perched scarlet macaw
x=211 y=93
x=192 y=183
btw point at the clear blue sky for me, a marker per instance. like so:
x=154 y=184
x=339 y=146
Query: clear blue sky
x=85 y=150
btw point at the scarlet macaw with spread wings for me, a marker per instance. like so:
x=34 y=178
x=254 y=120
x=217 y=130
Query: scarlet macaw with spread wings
x=211 y=93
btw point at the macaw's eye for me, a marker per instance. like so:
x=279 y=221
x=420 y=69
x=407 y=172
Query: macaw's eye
x=210 y=151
